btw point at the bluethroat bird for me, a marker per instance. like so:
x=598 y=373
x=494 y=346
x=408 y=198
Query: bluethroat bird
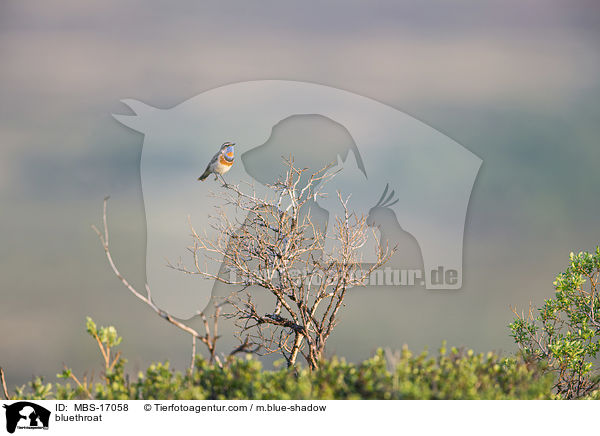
x=221 y=162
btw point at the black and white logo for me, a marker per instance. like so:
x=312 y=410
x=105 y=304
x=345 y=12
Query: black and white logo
x=26 y=415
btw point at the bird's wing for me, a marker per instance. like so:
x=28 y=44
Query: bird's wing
x=213 y=160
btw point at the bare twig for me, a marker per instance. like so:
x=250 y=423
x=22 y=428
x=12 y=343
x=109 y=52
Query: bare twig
x=4 y=390
x=208 y=339
x=193 y=360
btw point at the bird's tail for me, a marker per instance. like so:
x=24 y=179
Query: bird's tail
x=205 y=175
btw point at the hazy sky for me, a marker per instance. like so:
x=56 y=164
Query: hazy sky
x=515 y=82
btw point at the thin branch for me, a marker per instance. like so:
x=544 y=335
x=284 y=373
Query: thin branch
x=83 y=385
x=4 y=390
x=193 y=360
x=104 y=238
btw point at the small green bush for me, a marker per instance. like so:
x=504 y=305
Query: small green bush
x=453 y=374
x=565 y=335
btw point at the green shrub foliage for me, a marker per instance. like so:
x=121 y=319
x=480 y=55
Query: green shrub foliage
x=452 y=374
x=565 y=333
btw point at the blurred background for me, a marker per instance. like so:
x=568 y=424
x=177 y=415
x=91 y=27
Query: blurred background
x=517 y=83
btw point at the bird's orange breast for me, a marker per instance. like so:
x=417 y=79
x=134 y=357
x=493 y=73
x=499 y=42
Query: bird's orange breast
x=224 y=161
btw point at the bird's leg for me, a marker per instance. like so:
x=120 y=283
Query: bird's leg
x=223 y=181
